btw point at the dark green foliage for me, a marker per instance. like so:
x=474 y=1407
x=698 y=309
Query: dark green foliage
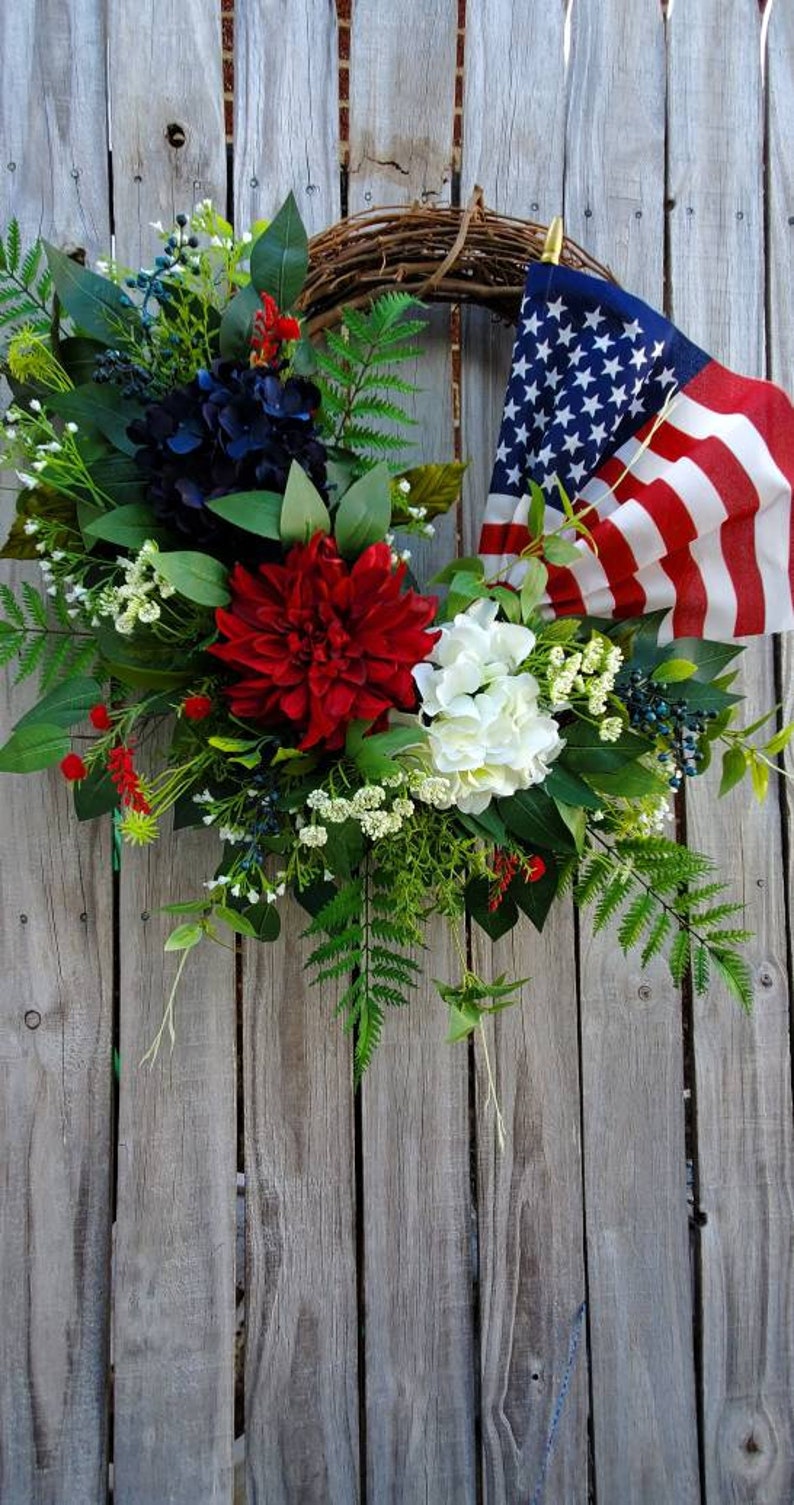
x=656 y=881
x=27 y=632
x=365 y=945
x=25 y=286
x=360 y=388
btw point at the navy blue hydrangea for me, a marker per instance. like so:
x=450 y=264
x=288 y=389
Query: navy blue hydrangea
x=233 y=428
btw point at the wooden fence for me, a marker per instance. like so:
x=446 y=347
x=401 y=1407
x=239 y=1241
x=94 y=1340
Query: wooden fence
x=411 y=1293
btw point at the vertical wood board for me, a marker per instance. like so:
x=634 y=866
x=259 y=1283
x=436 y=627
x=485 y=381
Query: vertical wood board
x=531 y=1269
x=55 y=941
x=174 y=1309
x=644 y=1424
x=744 y=1110
x=301 y=1296
x=414 y=1121
x=286 y=113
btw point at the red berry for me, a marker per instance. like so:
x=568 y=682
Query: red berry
x=99 y=717
x=196 y=707
x=72 y=767
x=535 y=869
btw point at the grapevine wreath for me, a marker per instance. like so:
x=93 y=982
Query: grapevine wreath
x=211 y=455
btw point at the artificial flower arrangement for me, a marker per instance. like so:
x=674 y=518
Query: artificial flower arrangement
x=213 y=501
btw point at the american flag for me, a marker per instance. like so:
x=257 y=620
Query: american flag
x=681 y=470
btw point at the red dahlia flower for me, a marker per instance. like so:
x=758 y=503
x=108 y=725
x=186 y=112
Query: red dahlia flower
x=321 y=642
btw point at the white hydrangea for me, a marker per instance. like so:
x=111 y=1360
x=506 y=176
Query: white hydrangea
x=494 y=743
x=471 y=651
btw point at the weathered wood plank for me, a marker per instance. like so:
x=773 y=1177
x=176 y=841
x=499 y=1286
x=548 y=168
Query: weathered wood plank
x=301 y=1391
x=744 y=1109
x=174 y=1317
x=531 y=1264
x=301 y=1295
x=166 y=117
x=55 y=899
x=415 y=1137
x=644 y=1424
x=299 y=87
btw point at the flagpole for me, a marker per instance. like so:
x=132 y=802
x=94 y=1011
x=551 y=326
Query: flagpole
x=552 y=249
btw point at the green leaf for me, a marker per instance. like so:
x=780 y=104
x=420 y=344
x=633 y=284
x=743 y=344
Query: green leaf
x=532 y=816
x=672 y=670
x=734 y=768
x=235 y=921
x=184 y=937
x=780 y=740
x=128 y=527
x=96 y=306
x=508 y=600
x=495 y=922
x=536 y=521
x=344 y=848
x=67 y=704
x=535 y=899
x=119 y=477
x=33 y=747
x=303 y=512
x=197 y=577
x=234 y=336
x=95 y=795
x=434 y=487
x=103 y=408
x=280 y=257
x=532 y=587
x=560 y=551
x=564 y=785
x=632 y=781
x=364 y=513
x=586 y=754
x=265 y=921
x=256 y=512
x=759 y=777
x=78 y=356
x=709 y=658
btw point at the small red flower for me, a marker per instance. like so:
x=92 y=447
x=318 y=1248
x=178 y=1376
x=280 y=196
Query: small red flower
x=196 y=707
x=72 y=767
x=505 y=866
x=270 y=329
x=122 y=772
x=321 y=642
x=100 y=718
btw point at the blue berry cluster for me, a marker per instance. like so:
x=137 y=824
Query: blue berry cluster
x=265 y=822
x=671 y=722
x=116 y=367
x=177 y=252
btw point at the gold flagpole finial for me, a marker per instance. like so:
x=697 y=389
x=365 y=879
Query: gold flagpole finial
x=552 y=249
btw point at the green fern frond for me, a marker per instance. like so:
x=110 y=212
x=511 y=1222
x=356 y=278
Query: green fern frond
x=657 y=936
x=679 y=956
x=24 y=294
x=736 y=975
x=636 y=919
x=358 y=382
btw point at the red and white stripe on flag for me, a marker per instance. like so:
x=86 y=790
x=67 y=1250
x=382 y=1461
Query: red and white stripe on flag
x=693 y=513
